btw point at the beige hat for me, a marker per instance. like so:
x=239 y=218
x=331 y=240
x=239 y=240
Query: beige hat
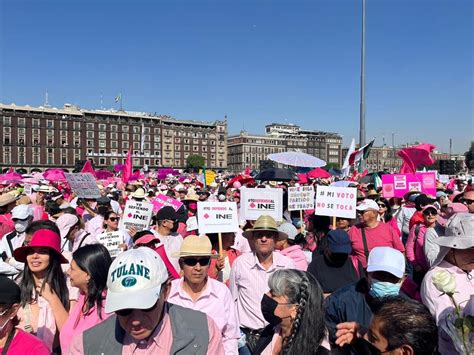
x=7 y=198
x=139 y=193
x=43 y=188
x=265 y=223
x=196 y=246
x=372 y=192
x=191 y=196
x=23 y=200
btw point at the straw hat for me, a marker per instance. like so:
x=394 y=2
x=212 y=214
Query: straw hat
x=195 y=245
x=265 y=223
x=7 y=198
x=139 y=193
x=191 y=196
x=372 y=193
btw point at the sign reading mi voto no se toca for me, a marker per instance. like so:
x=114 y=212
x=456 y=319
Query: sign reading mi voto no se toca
x=336 y=201
x=217 y=217
x=257 y=202
x=137 y=215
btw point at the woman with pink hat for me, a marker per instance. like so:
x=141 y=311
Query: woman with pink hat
x=44 y=293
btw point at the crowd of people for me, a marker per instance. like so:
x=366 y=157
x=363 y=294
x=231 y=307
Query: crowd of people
x=396 y=279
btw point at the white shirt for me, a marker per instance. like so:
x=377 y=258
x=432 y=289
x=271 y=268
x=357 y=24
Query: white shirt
x=172 y=244
x=13 y=267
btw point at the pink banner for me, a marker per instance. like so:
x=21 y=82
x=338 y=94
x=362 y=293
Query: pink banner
x=397 y=185
x=163 y=200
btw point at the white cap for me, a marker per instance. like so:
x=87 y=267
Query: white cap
x=289 y=229
x=134 y=280
x=386 y=259
x=367 y=204
x=22 y=212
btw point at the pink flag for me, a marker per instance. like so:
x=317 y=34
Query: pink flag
x=88 y=168
x=127 y=170
x=416 y=156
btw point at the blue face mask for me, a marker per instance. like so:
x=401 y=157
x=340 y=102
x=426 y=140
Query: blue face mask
x=382 y=289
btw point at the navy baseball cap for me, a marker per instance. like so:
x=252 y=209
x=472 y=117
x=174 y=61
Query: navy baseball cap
x=339 y=242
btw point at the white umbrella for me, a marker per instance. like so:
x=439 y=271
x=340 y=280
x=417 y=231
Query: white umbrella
x=297 y=159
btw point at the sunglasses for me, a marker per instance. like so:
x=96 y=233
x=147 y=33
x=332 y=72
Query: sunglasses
x=430 y=212
x=467 y=201
x=193 y=261
x=126 y=312
x=114 y=219
x=381 y=205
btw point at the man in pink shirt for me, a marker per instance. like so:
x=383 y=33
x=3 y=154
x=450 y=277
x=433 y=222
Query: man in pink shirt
x=144 y=323
x=249 y=277
x=201 y=293
x=371 y=233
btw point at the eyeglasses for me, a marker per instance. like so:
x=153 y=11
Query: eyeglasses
x=467 y=201
x=363 y=346
x=126 y=312
x=114 y=219
x=193 y=261
x=381 y=205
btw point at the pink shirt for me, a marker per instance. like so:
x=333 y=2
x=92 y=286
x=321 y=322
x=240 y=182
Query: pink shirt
x=382 y=235
x=248 y=282
x=298 y=256
x=26 y=344
x=215 y=301
x=415 y=252
x=160 y=342
x=77 y=322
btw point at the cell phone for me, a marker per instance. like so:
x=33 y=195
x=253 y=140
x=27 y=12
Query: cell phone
x=4 y=256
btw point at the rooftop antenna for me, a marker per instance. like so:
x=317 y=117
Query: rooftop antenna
x=46 y=103
x=383 y=140
x=101 y=100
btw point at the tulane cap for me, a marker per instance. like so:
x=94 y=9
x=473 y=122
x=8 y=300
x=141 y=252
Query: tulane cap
x=134 y=280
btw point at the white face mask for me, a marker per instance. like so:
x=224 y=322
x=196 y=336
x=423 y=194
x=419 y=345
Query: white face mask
x=20 y=226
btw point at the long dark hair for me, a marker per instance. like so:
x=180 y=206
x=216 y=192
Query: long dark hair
x=301 y=288
x=95 y=260
x=53 y=275
x=388 y=213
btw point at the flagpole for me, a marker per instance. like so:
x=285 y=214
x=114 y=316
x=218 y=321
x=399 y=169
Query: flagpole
x=362 y=86
x=121 y=98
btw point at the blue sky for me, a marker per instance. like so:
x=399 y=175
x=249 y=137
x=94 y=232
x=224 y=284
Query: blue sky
x=255 y=61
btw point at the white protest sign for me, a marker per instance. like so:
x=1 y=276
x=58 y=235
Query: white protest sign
x=442 y=178
x=111 y=240
x=257 y=202
x=27 y=189
x=83 y=185
x=192 y=224
x=217 y=217
x=300 y=198
x=336 y=201
x=137 y=214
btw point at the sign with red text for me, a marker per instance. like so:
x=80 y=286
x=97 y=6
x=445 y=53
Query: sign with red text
x=136 y=215
x=336 y=201
x=111 y=240
x=217 y=217
x=163 y=200
x=258 y=202
x=300 y=198
x=397 y=185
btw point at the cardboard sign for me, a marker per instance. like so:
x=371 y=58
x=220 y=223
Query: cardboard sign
x=137 y=214
x=257 y=202
x=163 y=200
x=217 y=217
x=300 y=198
x=397 y=185
x=111 y=240
x=336 y=201
x=83 y=185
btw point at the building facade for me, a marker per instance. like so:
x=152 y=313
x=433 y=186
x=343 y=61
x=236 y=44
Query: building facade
x=247 y=149
x=44 y=137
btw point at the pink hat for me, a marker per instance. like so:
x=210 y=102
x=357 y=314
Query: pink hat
x=65 y=222
x=145 y=239
x=43 y=238
x=429 y=206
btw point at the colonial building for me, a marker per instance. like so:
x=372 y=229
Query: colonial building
x=247 y=149
x=42 y=137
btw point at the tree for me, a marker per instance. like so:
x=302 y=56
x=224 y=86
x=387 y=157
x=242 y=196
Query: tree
x=195 y=161
x=331 y=166
x=470 y=156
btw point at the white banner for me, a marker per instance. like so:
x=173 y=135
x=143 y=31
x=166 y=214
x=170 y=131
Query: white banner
x=336 y=201
x=137 y=215
x=257 y=202
x=217 y=217
x=111 y=240
x=83 y=185
x=300 y=198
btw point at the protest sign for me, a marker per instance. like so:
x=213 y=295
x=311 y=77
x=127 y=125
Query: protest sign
x=444 y=178
x=27 y=189
x=137 y=214
x=111 y=240
x=300 y=198
x=191 y=224
x=336 y=201
x=163 y=200
x=397 y=185
x=257 y=202
x=83 y=185
x=217 y=217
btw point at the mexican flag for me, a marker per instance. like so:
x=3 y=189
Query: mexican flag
x=361 y=153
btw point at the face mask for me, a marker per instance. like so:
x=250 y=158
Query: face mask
x=192 y=206
x=381 y=289
x=268 y=306
x=20 y=226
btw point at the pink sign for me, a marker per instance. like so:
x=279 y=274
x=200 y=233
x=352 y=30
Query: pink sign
x=163 y=200
x=397 y=185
